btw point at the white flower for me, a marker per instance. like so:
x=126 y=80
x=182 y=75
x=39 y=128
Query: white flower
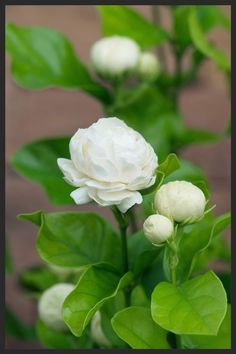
x=114 y=56
x=180 y=201
x=109 y=163
x=148 y=67
x=50 y=305
x=158 y=228
x=97 y=333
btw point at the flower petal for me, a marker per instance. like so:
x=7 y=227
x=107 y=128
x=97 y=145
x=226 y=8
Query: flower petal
x=80 y=195
x=71 y=174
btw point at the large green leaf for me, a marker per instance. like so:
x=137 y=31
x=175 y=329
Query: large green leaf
x=221 y=341
x=97 y=285
x=42 y=58
x=194 y=240
x=203 y=45
x=124 y=21
x=136 y=327
x=197 y=306
x=73 y=239
x=37 y=161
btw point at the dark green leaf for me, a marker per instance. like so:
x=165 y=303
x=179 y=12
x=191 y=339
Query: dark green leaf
x=107 y=311
x=15 y=328
x=124 y=21
x=38 y=162
x=42 y=58
x=37 y=279
x=141 y=252
x=66 y=238
x=136 y=327
x=97 y=285
x=197 y=306
x=52 y=339
x=221 y=341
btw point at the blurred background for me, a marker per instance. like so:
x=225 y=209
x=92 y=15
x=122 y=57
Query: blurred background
x=33 y=115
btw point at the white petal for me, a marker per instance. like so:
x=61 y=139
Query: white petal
x=127 y=203
x=80 y=195
x=72 y=176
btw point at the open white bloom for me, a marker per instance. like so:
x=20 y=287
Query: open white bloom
x=97 y=333
x=114 y=56
x=148 y=67
x=158 y=228
x=180 y=201
x=50 y=305
x=109 y=163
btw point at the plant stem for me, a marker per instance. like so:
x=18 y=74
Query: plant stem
x=123 y=224
x=173 y=276
x=124 y=248
x=133 y=221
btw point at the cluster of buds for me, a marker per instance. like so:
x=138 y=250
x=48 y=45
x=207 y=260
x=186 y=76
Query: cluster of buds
x=117 y=57
x=180 y=202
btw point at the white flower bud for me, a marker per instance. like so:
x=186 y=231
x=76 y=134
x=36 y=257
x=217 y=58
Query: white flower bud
x=114 y=56
x=50 y=305
x=180 y=201
x=157 y=228
x=148 y=67
x=97 y=333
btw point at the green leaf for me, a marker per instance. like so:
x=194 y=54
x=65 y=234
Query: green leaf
x=66 y=238
x=97 y=285
x=197 y=306
x=204 y=46
x=37 y=161
x=170 y=164
x=221 y=341
x=42 y=58
x=124 y=21
x=196 y=136
x=107 y=311
x=209 y=16
x=225 y=278
x=138 y=297
x=15 y=328
x=194 y=242
x=37 y=279
x=188 y=172
x=141 y=252
x=52 y=339
x=136 y=327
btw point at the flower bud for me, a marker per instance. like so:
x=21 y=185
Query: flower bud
x=114 y=56
x=50 y=305
x=157 y=228
x=148 y=67
x=180 y=201
x=96 y=331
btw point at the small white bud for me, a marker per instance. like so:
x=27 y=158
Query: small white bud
x=96 y=331
x=157 y=228
x=50 y=305
x=114 y=56
x=180 y=201
x=148 y=67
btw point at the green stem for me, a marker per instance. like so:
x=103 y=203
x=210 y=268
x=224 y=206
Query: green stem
x=173 y=276
x=133 y=221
